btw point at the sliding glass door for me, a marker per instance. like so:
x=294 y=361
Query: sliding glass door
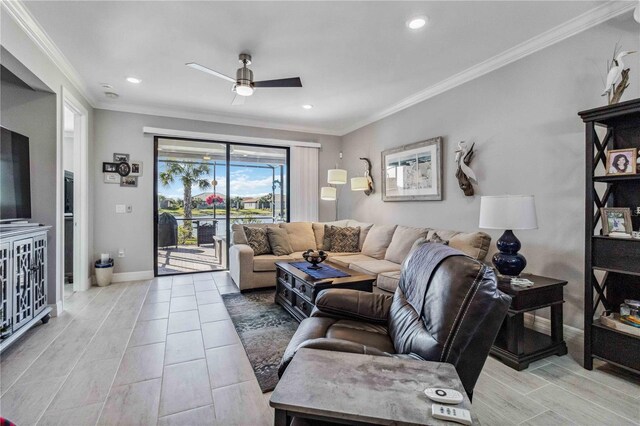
x=201 y=188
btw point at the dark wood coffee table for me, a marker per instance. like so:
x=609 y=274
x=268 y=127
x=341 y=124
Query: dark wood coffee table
x=296 y=291
x=360 y=389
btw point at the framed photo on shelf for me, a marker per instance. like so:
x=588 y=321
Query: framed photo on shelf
x=616 y=220
x=129 y=181
x=136 y=168
x=622 y=161
x=413 y=172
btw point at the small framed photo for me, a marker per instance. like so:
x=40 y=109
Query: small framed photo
x=124 y=169
x=136 y=168
x=622 y=161
x=120 y=158
x=129 y=181
x=111 y=178
x=109 y=167
x=616 y=219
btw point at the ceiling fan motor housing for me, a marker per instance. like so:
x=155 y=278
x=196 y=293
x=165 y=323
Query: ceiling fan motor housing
x=244 y=76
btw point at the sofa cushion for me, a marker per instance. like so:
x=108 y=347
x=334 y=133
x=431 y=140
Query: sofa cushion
x=388 y=281
x=267 y=262
x=343 y=239
x=257 y=239
x=364 y=230
x=300 y=235
x=374 y=267
x=402 y=241
x=345 y=260
x=377 y=241
x=279 y=241
x=318 y=231
x=237 y=231
x=474 y=244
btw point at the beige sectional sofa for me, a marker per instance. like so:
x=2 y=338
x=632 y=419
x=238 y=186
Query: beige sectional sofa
x=382 y=250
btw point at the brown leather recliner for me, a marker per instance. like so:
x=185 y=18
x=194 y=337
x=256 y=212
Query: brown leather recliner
x=447 y=308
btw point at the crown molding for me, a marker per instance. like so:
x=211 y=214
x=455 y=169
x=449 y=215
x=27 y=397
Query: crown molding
x=548 y=38
x=34 y=30
x=212 y=117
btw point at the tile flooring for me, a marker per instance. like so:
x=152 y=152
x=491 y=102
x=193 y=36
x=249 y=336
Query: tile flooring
x=165 y=352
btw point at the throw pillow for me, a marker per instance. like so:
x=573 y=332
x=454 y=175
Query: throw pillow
x=344 y=240
x=257 y=239
x=279 y=241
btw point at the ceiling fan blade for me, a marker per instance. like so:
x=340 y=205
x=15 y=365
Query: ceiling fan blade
x=238 y=100
x=282 y=82
x=209 y=71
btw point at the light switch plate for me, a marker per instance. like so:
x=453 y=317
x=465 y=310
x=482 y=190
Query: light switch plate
x=121 y=208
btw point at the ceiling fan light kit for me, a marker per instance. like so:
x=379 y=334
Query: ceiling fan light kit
x=243 y=85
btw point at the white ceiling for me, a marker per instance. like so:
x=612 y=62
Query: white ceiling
x=355 y=59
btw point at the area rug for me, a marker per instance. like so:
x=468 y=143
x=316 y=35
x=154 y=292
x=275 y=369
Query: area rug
x=265 y=330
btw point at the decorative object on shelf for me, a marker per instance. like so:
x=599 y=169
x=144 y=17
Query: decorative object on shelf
x=124 y=169
x=129 y=181
x=120 y=158
x=616 y=71
x=615 y=221
x=508 y=212
x=621 y=161
x=314 y=258
x=334 y=177
x=111 y=178
x=464 y=173
x=364 y=183
x=413 y=172
x=136 y=168
x=109 y=167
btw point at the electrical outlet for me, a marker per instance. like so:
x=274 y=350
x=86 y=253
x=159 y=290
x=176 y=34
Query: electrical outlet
x=121 y=252
x=120 y=208
x=129 y=208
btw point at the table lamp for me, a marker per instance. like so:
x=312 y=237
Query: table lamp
x=508 y=212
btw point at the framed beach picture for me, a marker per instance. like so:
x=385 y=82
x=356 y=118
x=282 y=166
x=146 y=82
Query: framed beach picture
x=616 y=219
x=413 y=172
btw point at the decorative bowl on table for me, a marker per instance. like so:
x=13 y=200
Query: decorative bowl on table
x=314 y=257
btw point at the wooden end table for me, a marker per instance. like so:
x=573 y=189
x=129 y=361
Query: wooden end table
x=361 y=389
x=516 y=345
x=296 y=290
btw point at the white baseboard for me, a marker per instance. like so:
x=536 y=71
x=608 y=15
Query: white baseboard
x=56 y=308
x=543 y=325
x=132 y=276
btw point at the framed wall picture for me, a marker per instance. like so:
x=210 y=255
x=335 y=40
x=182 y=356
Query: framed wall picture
x=136 y=168
x=129 y=181
x=111 y=178
x=120 y=158
x=622 y=161
x=109 y=167
x=413 y=172
x=124 y=169
x=616 y=219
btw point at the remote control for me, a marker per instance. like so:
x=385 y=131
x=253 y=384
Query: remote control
x=445 y=396
x=452 y=414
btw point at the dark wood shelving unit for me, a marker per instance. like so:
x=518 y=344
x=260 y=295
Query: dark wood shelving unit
x=616 y=260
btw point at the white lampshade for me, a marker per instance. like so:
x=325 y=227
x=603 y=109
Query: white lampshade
x=327 y=193
x=508 y=212
x=337 y=176
x=359 y=184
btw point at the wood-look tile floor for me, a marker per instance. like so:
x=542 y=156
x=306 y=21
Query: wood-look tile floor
x=165 y=352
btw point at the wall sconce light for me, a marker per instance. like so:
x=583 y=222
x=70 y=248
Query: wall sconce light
x=364 y=183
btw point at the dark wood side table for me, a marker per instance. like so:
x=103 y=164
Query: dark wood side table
x=358 y=389
x=518 y=346
x=296 y=290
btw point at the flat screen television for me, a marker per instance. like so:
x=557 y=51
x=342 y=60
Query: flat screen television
x=15 y=176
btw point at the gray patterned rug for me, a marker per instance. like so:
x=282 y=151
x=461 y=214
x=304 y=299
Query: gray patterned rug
x=265 y=330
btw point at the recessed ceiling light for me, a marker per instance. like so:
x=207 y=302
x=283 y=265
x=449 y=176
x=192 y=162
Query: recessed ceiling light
x=111 y=95
x=417 y=22
x=307 y=106
x=134 y=80
x=106 y=86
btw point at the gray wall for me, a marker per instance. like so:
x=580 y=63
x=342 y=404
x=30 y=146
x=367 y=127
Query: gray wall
x=122 y=132
x=529 y=140
x=33 y=114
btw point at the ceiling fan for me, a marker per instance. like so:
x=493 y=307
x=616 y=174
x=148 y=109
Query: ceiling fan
x=243 y=84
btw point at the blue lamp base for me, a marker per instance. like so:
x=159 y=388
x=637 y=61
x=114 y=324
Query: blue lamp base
x=508 y=261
